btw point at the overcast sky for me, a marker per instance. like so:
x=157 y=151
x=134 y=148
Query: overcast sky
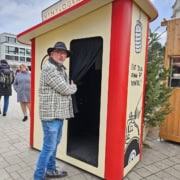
x=164 y=8
x=19 y=15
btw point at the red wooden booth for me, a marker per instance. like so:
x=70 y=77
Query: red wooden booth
x=105 y=137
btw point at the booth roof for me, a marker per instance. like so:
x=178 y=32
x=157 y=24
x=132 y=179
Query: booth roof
x=74 y=12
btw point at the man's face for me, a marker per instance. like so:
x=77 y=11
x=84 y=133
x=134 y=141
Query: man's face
x=59 y=55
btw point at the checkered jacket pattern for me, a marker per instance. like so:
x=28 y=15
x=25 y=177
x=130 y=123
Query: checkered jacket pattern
x=55 y=93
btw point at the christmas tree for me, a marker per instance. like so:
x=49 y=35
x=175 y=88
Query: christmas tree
x=157 y=94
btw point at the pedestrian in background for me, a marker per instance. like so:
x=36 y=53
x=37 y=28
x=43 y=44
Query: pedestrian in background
x=22 y=86
x=17 y=71
x=6 y=81
x=55 y=104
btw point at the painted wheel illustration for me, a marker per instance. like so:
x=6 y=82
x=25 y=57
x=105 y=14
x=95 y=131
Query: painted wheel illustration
x=131 y=152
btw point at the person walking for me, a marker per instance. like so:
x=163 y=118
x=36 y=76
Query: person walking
x=6 y=81
x=55 y=105
x=22 y=85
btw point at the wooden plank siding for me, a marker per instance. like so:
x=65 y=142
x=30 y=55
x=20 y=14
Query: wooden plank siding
x=170 y=129
x=173 y=36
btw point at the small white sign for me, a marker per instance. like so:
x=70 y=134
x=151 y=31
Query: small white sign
x=58 y=7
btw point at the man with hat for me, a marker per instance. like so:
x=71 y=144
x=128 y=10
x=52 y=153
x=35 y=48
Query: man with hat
x=55 y=105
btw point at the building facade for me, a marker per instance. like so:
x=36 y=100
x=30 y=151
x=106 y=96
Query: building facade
x=13 y=51
x=176 y=9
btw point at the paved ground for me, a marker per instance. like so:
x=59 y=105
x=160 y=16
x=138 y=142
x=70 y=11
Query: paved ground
x=160 y=160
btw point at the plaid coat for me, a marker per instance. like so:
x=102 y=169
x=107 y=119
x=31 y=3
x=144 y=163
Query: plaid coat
x=55 y=93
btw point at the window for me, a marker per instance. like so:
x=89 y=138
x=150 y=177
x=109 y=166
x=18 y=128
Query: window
x=14 y=58
x=28 y=59
x=10 y=39
x=22 y=51
x=174 y=79
x=11 y=50
x=28 y=52
x=22 y=59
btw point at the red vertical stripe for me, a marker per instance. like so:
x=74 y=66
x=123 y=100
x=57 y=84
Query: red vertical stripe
x=118 y=85
x=32 y=92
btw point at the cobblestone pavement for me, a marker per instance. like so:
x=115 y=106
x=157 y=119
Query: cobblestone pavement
x=160 y=160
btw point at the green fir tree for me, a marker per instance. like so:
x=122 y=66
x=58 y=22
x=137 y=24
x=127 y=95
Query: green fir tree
x=157 y=105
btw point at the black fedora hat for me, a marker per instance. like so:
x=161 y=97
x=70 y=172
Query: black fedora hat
x=59 y=46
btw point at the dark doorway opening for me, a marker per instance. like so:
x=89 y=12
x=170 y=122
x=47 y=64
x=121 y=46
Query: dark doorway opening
x=85 y=70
